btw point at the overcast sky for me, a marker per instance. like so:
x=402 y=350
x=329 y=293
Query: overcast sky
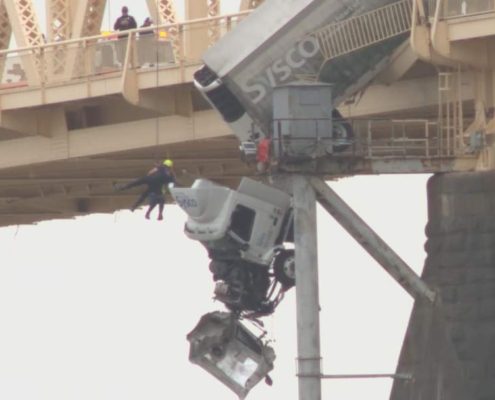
x=99 y=307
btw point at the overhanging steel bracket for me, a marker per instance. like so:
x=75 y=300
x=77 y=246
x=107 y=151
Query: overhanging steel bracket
x=371 y=242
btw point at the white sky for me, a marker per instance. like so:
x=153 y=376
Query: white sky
x=99 y=307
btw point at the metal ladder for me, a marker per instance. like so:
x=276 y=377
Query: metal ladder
x=450 y=115
x=344 y=37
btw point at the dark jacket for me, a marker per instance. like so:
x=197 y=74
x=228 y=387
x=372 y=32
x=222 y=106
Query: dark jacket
x=125 y=22
x=159 y=177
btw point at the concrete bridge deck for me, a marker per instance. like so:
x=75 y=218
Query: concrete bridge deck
x=66 y=138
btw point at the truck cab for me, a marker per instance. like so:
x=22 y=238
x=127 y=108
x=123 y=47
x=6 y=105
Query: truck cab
x=247 y=233
x=250 y=223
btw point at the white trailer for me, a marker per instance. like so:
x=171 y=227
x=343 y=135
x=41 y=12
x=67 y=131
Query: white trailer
x=279 y=44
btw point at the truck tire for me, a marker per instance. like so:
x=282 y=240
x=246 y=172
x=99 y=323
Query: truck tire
x=284 y=268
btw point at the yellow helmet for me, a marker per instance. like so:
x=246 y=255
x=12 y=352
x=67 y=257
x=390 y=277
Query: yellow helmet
x=168 y=163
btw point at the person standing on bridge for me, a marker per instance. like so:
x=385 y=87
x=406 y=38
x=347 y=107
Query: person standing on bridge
x=157 y=181
x=123 y=23
x=147 y=22
x=147 y=48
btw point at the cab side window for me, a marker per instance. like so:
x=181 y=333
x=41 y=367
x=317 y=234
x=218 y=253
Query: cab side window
x=242 y=222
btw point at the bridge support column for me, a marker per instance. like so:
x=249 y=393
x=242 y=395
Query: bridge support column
x=307 y=296
x=196 y=37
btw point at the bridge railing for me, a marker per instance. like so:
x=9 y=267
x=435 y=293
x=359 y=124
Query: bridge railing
x=459 y=8
x=164 y=46
x=344 y=37
x=367 y=138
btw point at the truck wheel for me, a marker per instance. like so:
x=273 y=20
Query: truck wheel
x=284 y=268
x=342 y=133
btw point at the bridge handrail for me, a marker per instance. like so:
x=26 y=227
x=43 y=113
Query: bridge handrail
x=372 y=137
x=363 y=30
x=459 y=8
x=130 y=31
x=89 y=57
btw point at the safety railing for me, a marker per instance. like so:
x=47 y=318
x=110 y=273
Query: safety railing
x=165 y=46
x=365 y=138
x=401 y=138
x=459 y=8
x=364 y=30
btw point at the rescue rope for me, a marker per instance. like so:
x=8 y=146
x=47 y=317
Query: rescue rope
x=157 y=77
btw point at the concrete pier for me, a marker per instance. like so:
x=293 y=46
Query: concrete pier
x=449 y=348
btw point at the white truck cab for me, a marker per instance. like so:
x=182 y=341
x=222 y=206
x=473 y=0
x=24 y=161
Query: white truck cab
x=250 y=223
x=245 y=232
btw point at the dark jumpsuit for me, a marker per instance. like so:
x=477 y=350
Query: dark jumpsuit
x=155 y=182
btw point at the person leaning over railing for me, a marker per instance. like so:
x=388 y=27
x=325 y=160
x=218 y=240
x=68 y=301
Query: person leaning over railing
x=147 y=44
x=147 y=22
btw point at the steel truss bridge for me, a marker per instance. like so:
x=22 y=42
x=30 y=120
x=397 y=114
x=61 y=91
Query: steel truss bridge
x=81 y=109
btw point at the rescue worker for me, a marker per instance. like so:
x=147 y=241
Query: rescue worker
x=147 y=46
x=157 y=180
x=157 y=195
x=263 y=155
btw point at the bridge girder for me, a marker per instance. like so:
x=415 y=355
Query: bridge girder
x=58 y=20
x=5 y=33
x=89 y=16
x=38 y=175
x=197 y=40
x=111 y=139
x=24 y=22
x=73 y=187
x=27 y=32
x=162 y=11
x=5 y=27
